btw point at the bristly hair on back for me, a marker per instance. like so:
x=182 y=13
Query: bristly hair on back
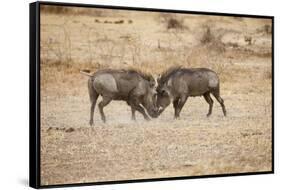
x=144 y=75
x=167 y=73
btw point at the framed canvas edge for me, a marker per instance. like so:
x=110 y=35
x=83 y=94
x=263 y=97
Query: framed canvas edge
x=147 y=9
x=34 y=94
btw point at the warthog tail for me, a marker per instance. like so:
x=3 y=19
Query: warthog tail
x=86 y=72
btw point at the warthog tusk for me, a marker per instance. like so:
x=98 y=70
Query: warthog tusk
x=160 y=109
x=85 y=72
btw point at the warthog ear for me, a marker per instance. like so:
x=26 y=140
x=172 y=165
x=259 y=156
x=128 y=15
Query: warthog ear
x=152 y=82
x=158 y=78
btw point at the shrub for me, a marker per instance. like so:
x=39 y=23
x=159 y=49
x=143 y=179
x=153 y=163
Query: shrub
x=174 y=23
x=207 y=36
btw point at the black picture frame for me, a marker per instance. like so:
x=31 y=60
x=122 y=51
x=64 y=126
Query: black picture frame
x=34 y=92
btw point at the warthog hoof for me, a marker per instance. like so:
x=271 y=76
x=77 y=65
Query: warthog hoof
x=91 y=122
x=147 y=118
x=177 y=117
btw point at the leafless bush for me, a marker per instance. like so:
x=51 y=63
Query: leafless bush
x=171 y=22
x=212 y=39
x=207 y=37
x=174 y=23
x=265 y=29
x=119 y=22
x=248 y=40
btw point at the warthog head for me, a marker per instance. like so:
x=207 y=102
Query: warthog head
x=150 y=100
x=163 y=96
x=163 y=99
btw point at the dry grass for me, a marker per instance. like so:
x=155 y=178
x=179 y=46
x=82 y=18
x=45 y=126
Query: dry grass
x=155 y=149
x=74 y=152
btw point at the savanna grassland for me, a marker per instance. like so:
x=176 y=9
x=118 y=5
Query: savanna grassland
x=238 y=49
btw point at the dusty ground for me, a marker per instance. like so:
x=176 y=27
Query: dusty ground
x=121 y=149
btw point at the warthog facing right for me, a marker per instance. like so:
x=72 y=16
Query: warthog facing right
x=136 y=88
x=177 y=84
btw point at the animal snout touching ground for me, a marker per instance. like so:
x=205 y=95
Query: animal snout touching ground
x=155 y=113
x=144 y=95
x=177 y=84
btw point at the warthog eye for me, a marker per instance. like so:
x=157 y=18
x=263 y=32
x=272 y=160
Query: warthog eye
x=162 y=92
x=158 y=90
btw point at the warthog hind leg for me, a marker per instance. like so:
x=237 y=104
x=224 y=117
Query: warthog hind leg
x=93 y=98
x=102 y=104
x=210 y=102
x=93 y=105
x=220 y=100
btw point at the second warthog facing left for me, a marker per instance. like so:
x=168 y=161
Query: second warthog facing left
x=177 y=84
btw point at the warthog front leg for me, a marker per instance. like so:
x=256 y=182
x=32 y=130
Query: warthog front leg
x=135 y=105
x=102 y=104
x=133 y=113
x=141 y=110
x=180 y=105
x=175 y=105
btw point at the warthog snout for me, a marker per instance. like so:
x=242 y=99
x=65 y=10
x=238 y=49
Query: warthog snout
x=155 y=113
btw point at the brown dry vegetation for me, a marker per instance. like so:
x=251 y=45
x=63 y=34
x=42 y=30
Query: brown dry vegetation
x=238 y=49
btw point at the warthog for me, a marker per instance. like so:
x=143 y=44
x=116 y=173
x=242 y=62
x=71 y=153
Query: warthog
x=177 y=84
x=136 y=88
